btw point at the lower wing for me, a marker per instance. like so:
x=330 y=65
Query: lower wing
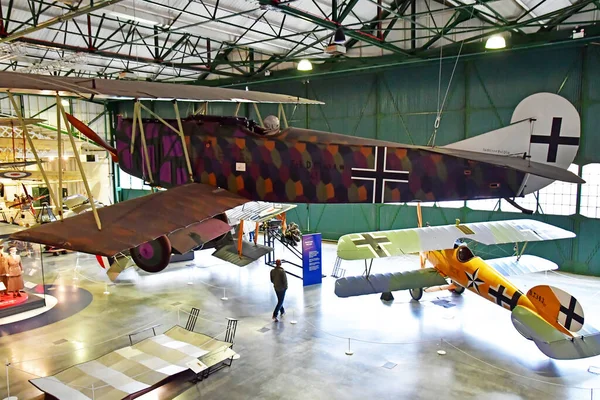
x=134 y=222
x=388 y=282
x=526 y=264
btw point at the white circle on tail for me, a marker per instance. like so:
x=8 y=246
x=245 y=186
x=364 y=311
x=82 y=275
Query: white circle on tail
x=554 y=134
x=570 y=314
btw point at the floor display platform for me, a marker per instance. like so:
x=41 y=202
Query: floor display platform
x=10 y=305
x=131 y=371
x=71 y=300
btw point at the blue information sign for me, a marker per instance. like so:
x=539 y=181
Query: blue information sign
x=311 y=259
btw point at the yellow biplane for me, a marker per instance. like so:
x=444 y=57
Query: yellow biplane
x=547 y=315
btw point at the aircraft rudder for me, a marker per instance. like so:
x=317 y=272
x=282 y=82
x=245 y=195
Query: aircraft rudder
x=557 y=305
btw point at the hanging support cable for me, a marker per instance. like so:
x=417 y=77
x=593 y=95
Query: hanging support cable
x=440 y=110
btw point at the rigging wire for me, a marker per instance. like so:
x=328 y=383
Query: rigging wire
x=438 y=117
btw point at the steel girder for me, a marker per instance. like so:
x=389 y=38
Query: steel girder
x=328 y=24
x=471 y=49
x=169 y=48
x=175 y=52
x=574 y=9
x=63 y=18
x=398 y=6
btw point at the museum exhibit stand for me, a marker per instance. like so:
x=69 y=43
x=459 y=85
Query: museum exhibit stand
x=21 y=277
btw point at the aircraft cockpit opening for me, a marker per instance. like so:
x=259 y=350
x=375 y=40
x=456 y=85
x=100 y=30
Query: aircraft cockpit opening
x=464 y=254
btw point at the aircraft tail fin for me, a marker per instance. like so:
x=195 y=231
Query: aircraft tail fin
x=544 y=127
x=557 y=305
x=551 y=341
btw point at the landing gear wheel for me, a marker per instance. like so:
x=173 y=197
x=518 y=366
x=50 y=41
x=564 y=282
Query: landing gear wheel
x=152 y=256
x=458 y=289
x=416 y=294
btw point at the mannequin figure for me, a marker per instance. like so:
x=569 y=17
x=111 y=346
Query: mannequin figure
x=3 y=269
x=15 y=272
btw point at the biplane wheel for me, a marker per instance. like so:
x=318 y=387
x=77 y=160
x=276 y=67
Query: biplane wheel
x=152 y=256
x=416 y=294
x=458 y=289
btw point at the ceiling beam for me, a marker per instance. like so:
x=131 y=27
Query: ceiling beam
x=457 y=18
x=324 y=23
x=569 y=12
x=561 y=38
x=346 y=10
x=124 y=57
x=61 y=18
x=398 y=6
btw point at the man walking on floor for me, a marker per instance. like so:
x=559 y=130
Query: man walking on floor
x=279 y=280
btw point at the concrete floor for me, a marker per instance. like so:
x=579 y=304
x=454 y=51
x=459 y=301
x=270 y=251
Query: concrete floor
x=486 y=357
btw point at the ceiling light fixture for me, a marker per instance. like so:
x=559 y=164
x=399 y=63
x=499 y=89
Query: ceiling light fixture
x=128 y=17
x=304 y=65
x=495 y=42
x=339 y=36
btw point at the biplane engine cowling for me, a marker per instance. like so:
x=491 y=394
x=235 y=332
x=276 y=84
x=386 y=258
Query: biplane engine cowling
x=153 y=256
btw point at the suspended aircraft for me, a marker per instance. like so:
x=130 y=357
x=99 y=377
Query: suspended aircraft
x=547 y=315
x=210 y=164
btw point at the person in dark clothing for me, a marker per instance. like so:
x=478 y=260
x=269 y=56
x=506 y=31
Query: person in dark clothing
x=279 y=280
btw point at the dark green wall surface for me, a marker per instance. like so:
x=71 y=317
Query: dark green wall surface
x=401 y=104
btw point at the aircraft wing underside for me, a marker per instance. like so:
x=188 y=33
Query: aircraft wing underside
x=257 y=211
x=130 y=223
x=388 y=282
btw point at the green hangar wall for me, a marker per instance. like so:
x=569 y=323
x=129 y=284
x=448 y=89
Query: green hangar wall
x=400 y=104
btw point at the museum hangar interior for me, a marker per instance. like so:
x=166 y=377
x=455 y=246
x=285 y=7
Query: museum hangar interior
x=159 y=158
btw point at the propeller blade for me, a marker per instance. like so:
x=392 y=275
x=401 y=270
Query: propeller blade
x=25 y=189
x=93 y=136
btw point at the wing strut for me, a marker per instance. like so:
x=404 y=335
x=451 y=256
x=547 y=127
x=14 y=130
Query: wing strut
x=137 y=117
x=78 y=160
x=368 y=266
x=33 y=150
x=178 y=131
x=518 y=253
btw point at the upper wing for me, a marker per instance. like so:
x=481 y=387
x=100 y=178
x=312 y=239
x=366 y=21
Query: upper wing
x=359 y=246
x=133 y=222
x=113 y=89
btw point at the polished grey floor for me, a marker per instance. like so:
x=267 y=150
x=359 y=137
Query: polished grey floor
x=395 y=344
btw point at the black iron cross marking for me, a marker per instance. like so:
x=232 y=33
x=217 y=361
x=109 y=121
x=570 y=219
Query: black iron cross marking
x=555 y=140
x=570 y=313
x=474 y=281
x=380 y=175
x=500 y=297
x=374 y=244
